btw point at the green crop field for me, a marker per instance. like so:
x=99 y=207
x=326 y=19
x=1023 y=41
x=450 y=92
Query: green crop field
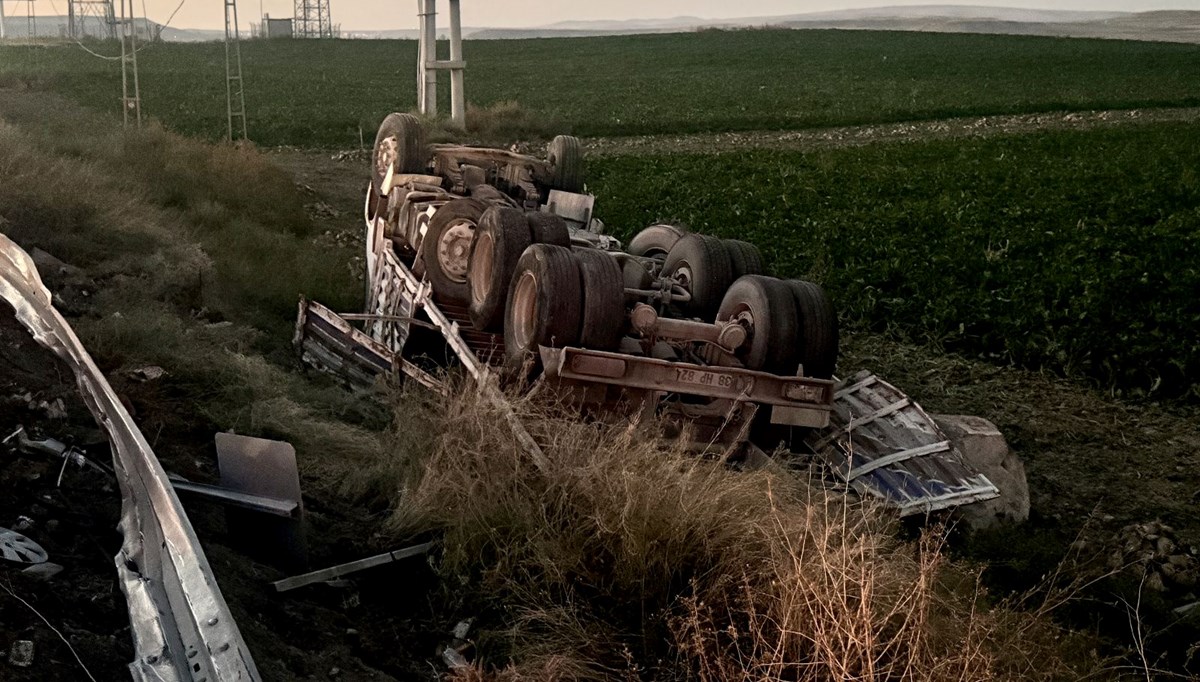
x=1077 y=251
x=324 y=93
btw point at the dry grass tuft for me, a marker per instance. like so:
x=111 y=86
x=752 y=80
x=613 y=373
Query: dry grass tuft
x=500 y=124
x=631 y=558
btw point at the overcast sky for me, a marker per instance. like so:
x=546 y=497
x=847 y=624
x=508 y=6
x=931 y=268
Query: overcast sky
x=395 y=14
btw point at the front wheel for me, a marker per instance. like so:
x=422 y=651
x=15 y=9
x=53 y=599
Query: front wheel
x=446 y=248
x=400 y=147
x=565 y=157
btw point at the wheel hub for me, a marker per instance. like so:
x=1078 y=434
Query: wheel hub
x=454 y=250
x=524 y=309
x=20 y=549
x=385 y=155
x=683 y=276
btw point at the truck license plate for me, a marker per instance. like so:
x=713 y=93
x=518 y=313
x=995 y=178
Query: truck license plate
x=701 y=377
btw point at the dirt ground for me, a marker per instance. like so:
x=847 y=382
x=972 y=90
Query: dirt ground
x=378 y=626
x=853 y=136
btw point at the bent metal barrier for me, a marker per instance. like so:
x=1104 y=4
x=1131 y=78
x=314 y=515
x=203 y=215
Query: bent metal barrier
x=182 y=627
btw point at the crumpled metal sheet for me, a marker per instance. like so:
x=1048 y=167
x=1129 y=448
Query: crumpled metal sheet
x=182 y=627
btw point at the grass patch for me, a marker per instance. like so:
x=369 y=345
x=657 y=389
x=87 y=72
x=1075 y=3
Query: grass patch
x=196 y=256
x=1068 y=250
x=629 y=85
x=630 y=558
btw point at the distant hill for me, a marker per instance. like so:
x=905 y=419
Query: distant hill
x=56 y=27
x=1169 y=26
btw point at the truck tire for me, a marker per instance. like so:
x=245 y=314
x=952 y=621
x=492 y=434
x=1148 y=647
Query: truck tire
x=603 y=322
x=400 y=143
x=636 y=276
x=655 y=241
x=500 y=239
x=700 y=264
x=818 y=340
x=544 y=305
x=548 y=228
x=744 y=258
x=446 y=248
x=775 y=329
x=565 y=157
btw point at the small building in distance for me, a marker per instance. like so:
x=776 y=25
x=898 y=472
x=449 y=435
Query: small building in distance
x=276 y=28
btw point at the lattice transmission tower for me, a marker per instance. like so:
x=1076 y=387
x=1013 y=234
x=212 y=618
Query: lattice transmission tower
x=91 y=17
x=312 y=19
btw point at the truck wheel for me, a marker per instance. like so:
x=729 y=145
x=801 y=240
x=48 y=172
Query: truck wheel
x=548 y=228
x=655 y=241
x=446 y=248
x=636 y=276
x=603 y=300
x=544 y=304
x=566 y=163
x=500 y=239
x=744 y=258
x=700 y=264
x=767 y=305
x=400 y=144
x=818 y=340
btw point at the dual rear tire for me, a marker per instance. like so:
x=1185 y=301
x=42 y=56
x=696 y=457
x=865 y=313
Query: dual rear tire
x=792 y=326
x=563 y=297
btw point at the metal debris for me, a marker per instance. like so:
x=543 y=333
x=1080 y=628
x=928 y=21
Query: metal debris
x=454 y=659
x=883 y=445
x=21 y=653
x=327 y=574
x=16 y=547
x=43 y=571
x=147 y=373
x=53 y=447
x=182 y=628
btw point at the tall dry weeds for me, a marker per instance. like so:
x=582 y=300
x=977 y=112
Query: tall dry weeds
x=629 y=557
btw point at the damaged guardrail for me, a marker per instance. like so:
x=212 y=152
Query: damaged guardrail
x=182 y=627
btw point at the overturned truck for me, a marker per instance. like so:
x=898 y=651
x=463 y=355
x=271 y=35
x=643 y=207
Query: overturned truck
x=502 y=257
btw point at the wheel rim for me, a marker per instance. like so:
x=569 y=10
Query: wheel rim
x=683 y=276
x=454 y=250
x=385 y=156
x=524 y=310
x=18 y=548
x=481 y=266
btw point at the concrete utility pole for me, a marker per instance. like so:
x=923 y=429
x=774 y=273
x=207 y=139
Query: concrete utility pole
x=235 y=90
x=2 y=20
x=131 y=88
x=428 y=63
